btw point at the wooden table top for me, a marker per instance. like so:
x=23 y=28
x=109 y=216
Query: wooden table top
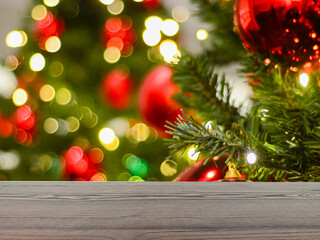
x=159 y=210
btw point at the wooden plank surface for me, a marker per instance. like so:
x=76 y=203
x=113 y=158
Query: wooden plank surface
x=162 y=210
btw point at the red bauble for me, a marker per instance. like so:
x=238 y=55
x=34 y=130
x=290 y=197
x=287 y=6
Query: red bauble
x=198 y=172
x=288 y=29
x=117 y=89
x=155 y=103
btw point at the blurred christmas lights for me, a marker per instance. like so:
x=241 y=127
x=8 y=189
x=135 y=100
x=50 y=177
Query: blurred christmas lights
x=37 y=62
x=19 y=97
x=202 y=34
x=304 y=79
x=180 y=14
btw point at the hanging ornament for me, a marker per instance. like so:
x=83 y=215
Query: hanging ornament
x=287 y=29
x=155 y=103
x=117 y=89
x=213 y=170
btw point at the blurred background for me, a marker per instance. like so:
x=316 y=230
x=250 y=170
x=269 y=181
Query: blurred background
x=85 y=88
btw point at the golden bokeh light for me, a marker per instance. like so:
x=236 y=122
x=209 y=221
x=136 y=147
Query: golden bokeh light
x=56 y=69
x=47 y=93
x=116 y=7
x=168 y=168
x=113 y=145
x=140 y=132
x=16 y=39
x=50 y=125
x=37 y=62
x=112 y=55
x=39 y=12
x=63 y=96
x=151 y=38
x=74 y=124
x=170 y=27
x=202 y=34
x=53 y=44
x=169 y=51
x=51 y=3
x=180 y=14
x=19 y=97
x=153 y=23
x=98 y=177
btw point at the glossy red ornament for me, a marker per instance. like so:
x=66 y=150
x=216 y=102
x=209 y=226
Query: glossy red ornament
x=155 y=103
x=289 y=29
x=198 y=172
x=117 y=89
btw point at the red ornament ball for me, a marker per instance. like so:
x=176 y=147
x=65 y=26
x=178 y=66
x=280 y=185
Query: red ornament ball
x=155 y=103
x=288 y=29
x=117 y=89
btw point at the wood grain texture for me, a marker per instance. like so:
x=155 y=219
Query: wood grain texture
x=163 y=210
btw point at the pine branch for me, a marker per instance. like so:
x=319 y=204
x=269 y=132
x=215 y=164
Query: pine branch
x=205 y=91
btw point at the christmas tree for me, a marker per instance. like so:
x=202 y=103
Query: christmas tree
x=77 y=108
x=277 y=43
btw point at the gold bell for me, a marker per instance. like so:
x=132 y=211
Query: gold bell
x=232 y=175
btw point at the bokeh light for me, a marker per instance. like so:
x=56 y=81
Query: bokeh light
x=140 y=132
x=11 y=62
x=98 y=177
x=74 y=124
x=63 y=96
x=107 y=2
x=125 y=176
x=47 y=93
x=137 y=166
x=154 y=23
x=116 y=7
x=50 y=125
x=19 y=97
x=119 y=125
x=112 y=55
x=168 y=168
x=135 y=179
x=304 y=79
x=96 y=155
x=16 y=39
x=180 y=14
x=39 y=12
x=8 y=82
x=170 y=27
x=56 y=69
x=202 y=34
x=106 y=136
x=251 y=158
x=192 y=154
x=169 y=51
x=151 y=38
x=9 y=160
x=53 y=44
x=51 y=3
x=37 y=62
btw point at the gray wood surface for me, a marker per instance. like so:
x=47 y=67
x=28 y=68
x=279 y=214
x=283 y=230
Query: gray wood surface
x=162 y=210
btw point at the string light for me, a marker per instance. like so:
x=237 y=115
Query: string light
x=168 y=168
x=169 y=51
x=170 y=27
x=202 y=34
x=116 y=7
x=19 y=97
x=39 y=12
x=56 y=69
x=50 y=125
x=47 y=93
x=151 y=38
x=11 y=62
x=140 y=132
x=107 y=2
x=106 y=136
x=74 y=124
x=51 y=3
x=16 y=39
x=112 y=55
x=63 y=96
x=180 y=14
x=251 y=158
x=304 y=79
x=154 y=23
x=192 y=154
x=37 y=62
x=53 y=44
